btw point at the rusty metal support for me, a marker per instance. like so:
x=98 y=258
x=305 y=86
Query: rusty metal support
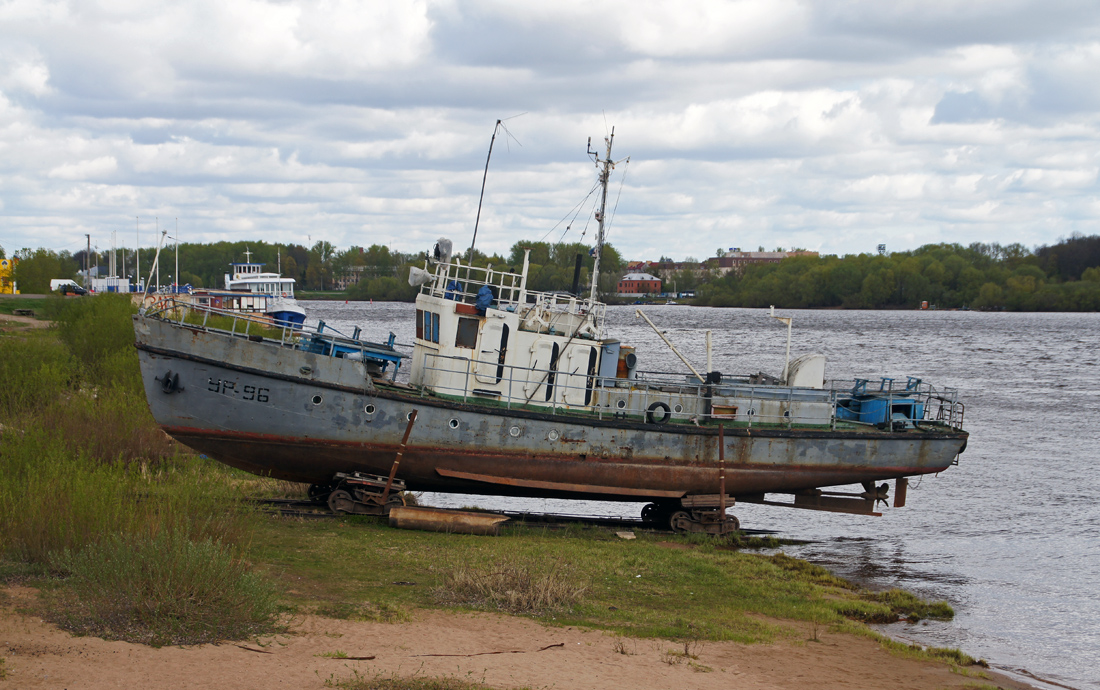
x=900 y=487
x=397 y=460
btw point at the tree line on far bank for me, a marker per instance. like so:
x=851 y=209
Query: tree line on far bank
x=1059 y=277
x=379 y=273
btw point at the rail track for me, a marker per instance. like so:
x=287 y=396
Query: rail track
x=291 y=507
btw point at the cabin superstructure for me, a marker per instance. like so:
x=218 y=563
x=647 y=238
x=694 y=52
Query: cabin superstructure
x=483 y=337
x=250 y=276
x=480 y=333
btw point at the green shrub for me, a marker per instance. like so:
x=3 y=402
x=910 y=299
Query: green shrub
x=35 y=370
x=98 y=331
x=54 y=498
x=161 y=589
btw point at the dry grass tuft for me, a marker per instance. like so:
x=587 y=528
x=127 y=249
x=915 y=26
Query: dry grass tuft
x=516 y=585
x=364 y=611
x=619 y=646
x=395 y=682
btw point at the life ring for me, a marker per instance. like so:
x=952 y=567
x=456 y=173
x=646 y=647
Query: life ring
x=652 y=417
x=284 y=294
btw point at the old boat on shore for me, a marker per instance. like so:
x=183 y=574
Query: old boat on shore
x=518 y=392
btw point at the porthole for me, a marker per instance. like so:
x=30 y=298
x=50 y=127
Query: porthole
x=751 y=411
x=369 y=409
x=553 y=435
x=677 y=408
x=514 y=431
x=409 y=417
x=786 y=413
x=453 y=423
x=317 y=399
x=620 y=404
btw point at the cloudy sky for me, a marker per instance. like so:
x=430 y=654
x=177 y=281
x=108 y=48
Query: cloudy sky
x=833 y=125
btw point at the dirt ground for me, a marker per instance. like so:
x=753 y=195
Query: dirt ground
x=498 y=650
x=12 y=321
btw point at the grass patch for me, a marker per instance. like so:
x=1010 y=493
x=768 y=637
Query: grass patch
x=35 y=370
x=809 y=571
x=9 y=304
x=907 y=605
x=3 y=668
x=53 y=500
x=948 y=655
x=516 y=584
x=165 y=589
x=364 y=611
x=395 y=682
x=635 y=588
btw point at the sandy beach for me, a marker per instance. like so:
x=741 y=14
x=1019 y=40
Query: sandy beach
x=499 y=650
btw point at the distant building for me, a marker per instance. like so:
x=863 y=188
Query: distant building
x=348 y=277
x=639 y=284
x=353 y=275
x=112 y=284
x=736 y=261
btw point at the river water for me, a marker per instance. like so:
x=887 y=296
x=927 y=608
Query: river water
x=1010 y=537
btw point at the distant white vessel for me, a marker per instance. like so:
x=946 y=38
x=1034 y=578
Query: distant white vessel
x=249 y=289
x=280 y=304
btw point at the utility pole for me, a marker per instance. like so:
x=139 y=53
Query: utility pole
x=157 y=219
x=137 y=249
x=87 y=260
x=177 y=238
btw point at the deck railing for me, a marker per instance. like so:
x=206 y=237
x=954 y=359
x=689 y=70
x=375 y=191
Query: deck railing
x=941 y=405
x=261 y=328
x=461 y=282
x=526 y=387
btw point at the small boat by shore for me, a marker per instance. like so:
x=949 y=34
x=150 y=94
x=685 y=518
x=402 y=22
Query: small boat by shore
x=523 y=393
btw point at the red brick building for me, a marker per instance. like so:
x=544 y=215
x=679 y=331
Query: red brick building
x=639 y=284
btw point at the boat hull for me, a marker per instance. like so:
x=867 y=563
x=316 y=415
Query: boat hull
x=294 y=415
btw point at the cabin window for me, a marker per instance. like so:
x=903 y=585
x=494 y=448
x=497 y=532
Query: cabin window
x=592 y=361
x=550 y=375
x=467 y=332
x=503 y=352
x=427 y=326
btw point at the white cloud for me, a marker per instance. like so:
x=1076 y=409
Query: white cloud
x=85 y=169
x=829 y=125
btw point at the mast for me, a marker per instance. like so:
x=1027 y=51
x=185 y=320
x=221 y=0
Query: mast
x=484 y=177
x=605 y=167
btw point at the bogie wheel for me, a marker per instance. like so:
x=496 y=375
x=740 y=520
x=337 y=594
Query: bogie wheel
x=340 y=501
x=397 y=498
x=734 y=523
x=680 y=521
